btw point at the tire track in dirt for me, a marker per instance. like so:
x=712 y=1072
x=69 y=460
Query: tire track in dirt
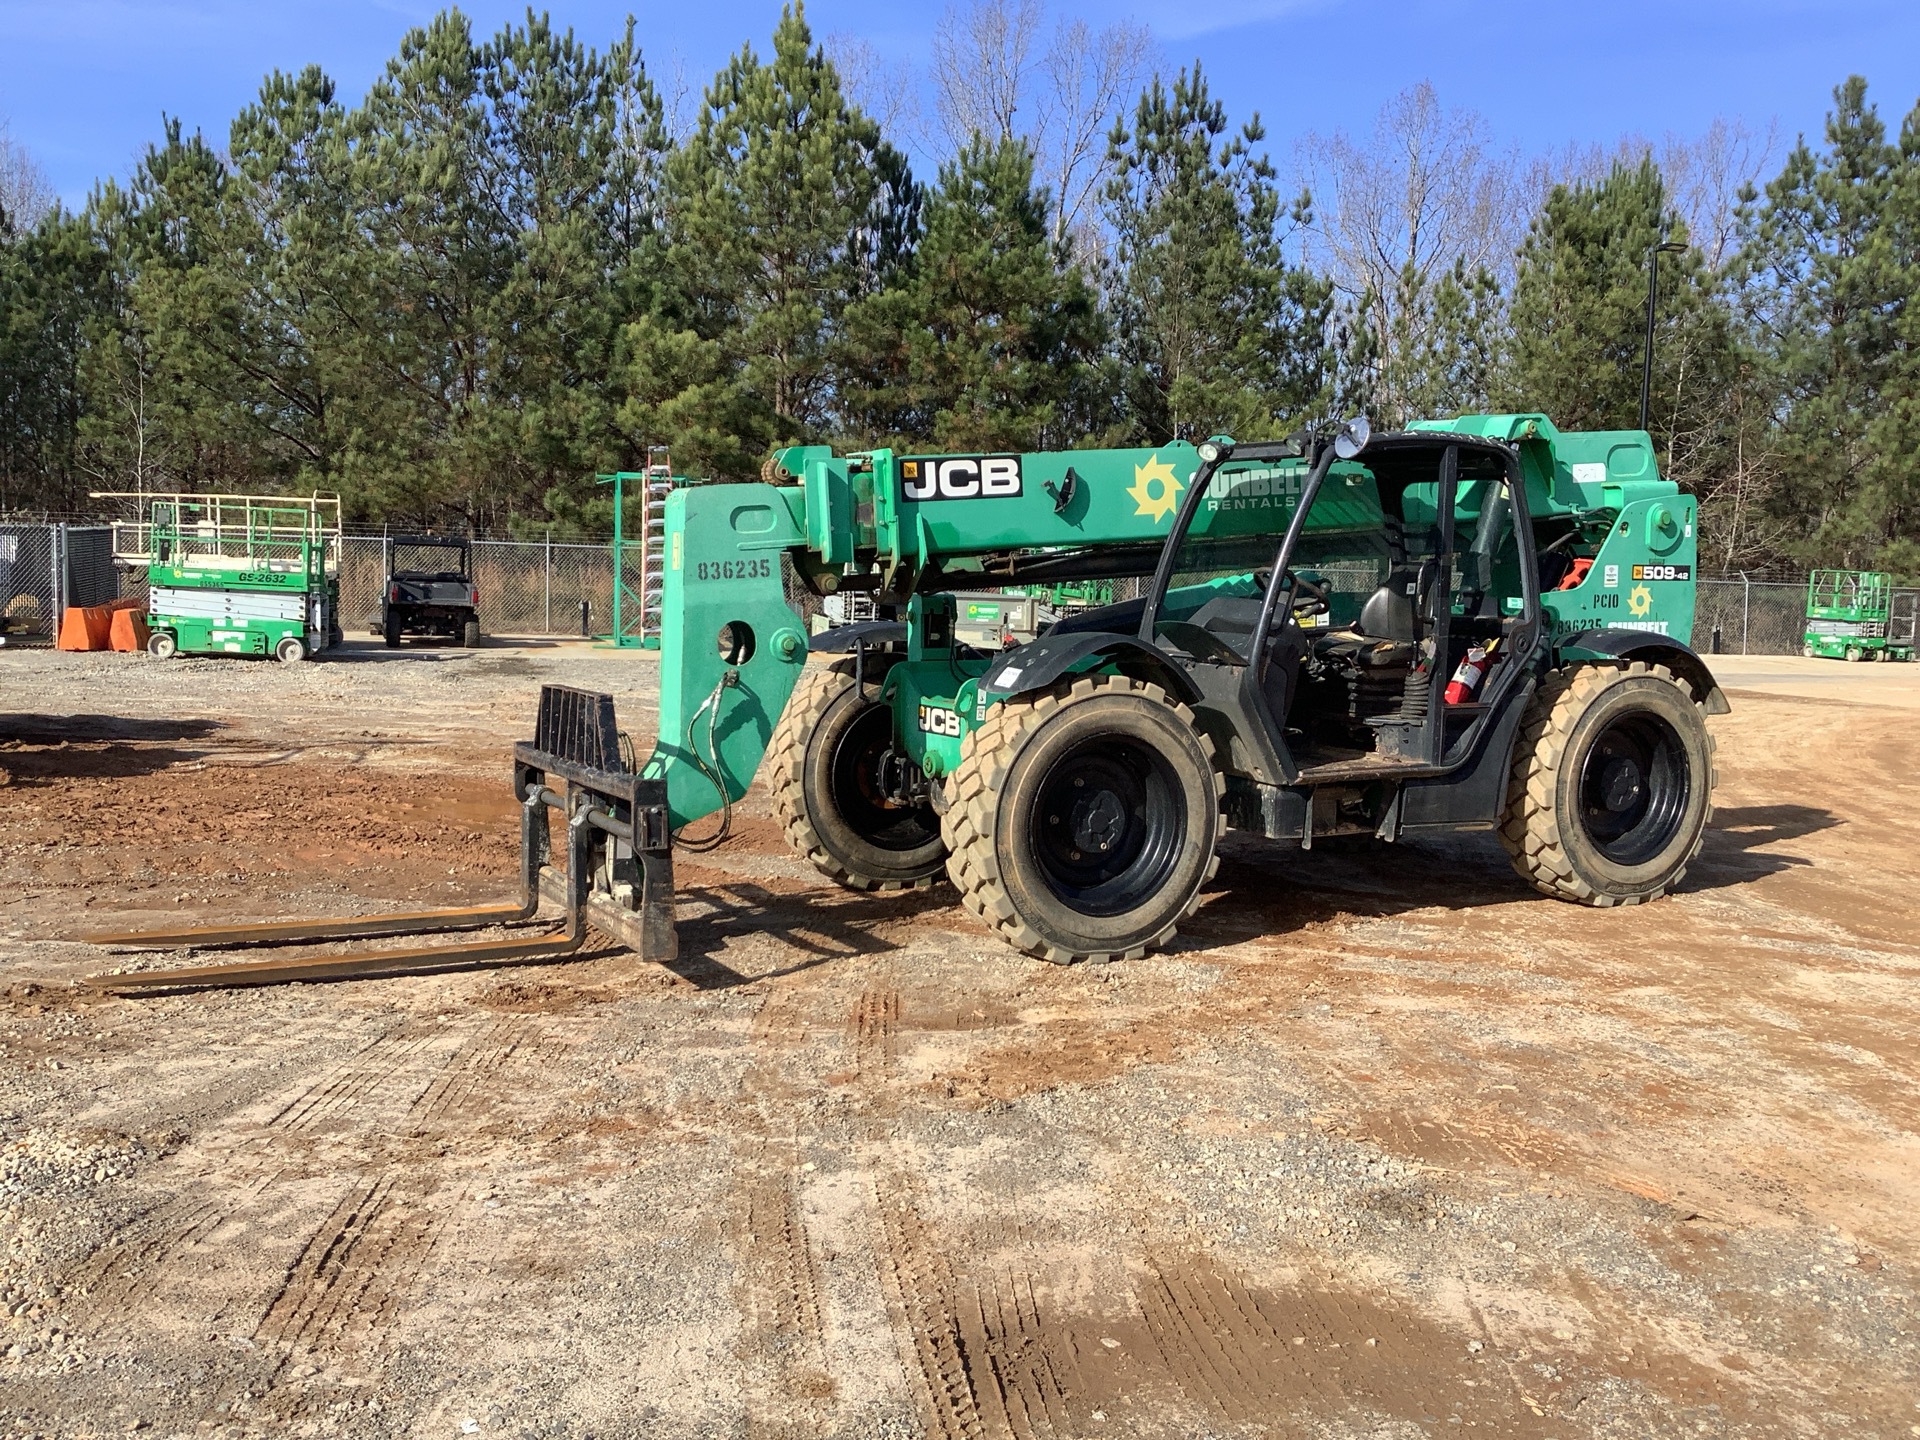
x=874 y=1027
x=455 y=1090
x=781 y=1305
x=136 y=1255
x=982 y=1359
x=358 y=1265
x=343 y=1088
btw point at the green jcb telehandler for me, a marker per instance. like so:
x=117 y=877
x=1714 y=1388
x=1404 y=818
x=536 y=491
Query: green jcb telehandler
x=1480 y=623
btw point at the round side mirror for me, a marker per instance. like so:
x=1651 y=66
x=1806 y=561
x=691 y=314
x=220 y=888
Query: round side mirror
x=1353 y=437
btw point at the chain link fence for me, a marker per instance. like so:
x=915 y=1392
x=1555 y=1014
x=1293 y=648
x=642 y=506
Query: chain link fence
x=538 y=587
x=527 y=587
x=47 y=566
x=1756 y=617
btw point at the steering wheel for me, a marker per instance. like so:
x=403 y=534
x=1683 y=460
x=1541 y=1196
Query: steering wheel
x=1304 y=597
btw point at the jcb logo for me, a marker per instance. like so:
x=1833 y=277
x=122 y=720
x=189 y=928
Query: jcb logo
x=966 y=477
x=938 y=720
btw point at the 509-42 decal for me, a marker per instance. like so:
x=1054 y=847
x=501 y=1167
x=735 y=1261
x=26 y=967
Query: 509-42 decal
x=733 y=569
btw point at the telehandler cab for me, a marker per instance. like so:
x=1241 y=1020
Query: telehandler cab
x=1480 y=623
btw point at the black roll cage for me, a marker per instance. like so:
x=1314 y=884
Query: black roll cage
x=1525 y=635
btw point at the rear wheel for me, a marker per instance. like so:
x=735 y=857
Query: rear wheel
x=1853 y=652
x=1083 y=821
x=826 y=760
x=162 y=645
x=470 y=634
x=391 y=629
x=291 y=650
x=1611 y=787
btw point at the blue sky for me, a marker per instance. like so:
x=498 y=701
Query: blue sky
x=83 y=83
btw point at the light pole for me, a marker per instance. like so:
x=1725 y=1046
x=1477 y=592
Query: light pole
x=1665 y=247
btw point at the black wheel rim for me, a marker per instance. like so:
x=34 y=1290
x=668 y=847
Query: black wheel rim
x=1634 y=786
x=853 y=774
x=1108 y=824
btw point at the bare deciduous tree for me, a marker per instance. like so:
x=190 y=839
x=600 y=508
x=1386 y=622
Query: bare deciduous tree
x=982 y=55
x=884 y=89
x=1427 y=188
x=990 y=78
x=1704 y=177
x=26 y=193
x=1425 y=195
x=1089 y=75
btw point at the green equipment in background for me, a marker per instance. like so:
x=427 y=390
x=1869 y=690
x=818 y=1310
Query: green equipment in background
x=636 y=609
x=1855 y=615
x=238 y=574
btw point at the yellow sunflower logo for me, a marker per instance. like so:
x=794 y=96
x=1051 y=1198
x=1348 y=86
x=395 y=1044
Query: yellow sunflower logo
x=1155 y=489
x=1640 y=602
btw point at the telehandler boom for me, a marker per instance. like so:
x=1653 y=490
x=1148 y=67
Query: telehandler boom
x=1480 y=623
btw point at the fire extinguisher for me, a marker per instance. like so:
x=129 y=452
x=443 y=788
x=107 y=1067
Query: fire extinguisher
x=1466 y=679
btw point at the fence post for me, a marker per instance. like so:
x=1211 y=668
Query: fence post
x=1746 y=607
x=549 y=625
x=57 y=574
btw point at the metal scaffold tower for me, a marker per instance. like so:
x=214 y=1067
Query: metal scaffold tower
x=636 y=608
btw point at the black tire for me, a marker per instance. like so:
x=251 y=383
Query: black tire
x=162 y=645
x=1083 y=821
x=823 y=760
x=391 y=633
x=1612 y=785
x=336 y=637
x=470 y=634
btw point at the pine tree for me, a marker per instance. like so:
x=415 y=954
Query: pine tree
x=786 y=207
x=1829 y=273
x=1579 y=312
x=986 y=342
x=54 y=302
x=1216 y=331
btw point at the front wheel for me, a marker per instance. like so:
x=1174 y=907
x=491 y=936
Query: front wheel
x=162 y=645
x=1853 y=653
x=1611 y=787
x=1083 y=821
x=291 y=650
x=829 y=759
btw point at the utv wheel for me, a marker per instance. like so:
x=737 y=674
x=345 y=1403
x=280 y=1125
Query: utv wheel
x=162 y=646
x=291 y=650
x=470 y=635
x=1611 y=787
x=1083 y=821
x=825 y=762
x=391 y=631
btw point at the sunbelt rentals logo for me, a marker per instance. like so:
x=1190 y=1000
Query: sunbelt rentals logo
x=1156 y=489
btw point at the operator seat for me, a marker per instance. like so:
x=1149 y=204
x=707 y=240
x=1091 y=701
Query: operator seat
x=1392 y=612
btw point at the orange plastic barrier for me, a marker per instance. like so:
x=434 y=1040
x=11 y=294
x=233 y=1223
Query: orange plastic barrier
x=85 y=627
x=128 y=629
x=92 y=627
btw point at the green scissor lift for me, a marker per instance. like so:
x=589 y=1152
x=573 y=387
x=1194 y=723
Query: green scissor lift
x=238 y=574
x=1855 y=615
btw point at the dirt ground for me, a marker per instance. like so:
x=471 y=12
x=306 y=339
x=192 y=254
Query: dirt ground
x=1387 y=1145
